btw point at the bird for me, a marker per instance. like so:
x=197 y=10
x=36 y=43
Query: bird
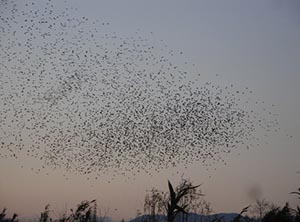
x=81 y=98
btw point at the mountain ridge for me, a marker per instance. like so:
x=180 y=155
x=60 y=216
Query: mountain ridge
x=191 y=217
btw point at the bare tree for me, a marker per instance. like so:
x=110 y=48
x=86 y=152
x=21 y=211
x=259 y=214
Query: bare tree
x=261 y=207
x=154 y=203
x=278 y=214
x=176 y=202
x=193 y=200
x=201 y=206
x=105 y=213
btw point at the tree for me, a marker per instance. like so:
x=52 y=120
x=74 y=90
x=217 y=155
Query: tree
x=154 y=203
x=297 y=214
x=279 y=215
x=196 y=203
x=105 y=213
x=261 y=207
x=176 y=203
x=189 y=197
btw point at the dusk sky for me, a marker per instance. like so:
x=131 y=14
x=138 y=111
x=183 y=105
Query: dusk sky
x=247 y=44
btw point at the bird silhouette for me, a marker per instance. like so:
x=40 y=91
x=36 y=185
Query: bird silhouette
x=85 y=99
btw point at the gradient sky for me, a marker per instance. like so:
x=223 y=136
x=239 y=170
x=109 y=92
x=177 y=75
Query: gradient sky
x=251 y=44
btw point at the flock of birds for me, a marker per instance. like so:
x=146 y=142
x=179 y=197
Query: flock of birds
x=77 y=96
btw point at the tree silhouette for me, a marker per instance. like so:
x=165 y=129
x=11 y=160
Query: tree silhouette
x=279 y=215
x=174 y=204
x=261 y=207
x=154 y=203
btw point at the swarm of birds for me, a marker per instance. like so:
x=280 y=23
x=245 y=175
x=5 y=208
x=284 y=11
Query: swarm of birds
x=80 y=97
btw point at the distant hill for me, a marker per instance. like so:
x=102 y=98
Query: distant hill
x=36 y=219
x=192 y=217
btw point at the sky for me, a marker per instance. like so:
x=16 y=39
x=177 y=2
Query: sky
x=252 y=44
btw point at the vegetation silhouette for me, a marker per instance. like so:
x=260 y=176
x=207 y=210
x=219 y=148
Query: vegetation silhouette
x=184 y=200
x=174 y=205
x=4 y=219
x=184 y=203
x=177 y=202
